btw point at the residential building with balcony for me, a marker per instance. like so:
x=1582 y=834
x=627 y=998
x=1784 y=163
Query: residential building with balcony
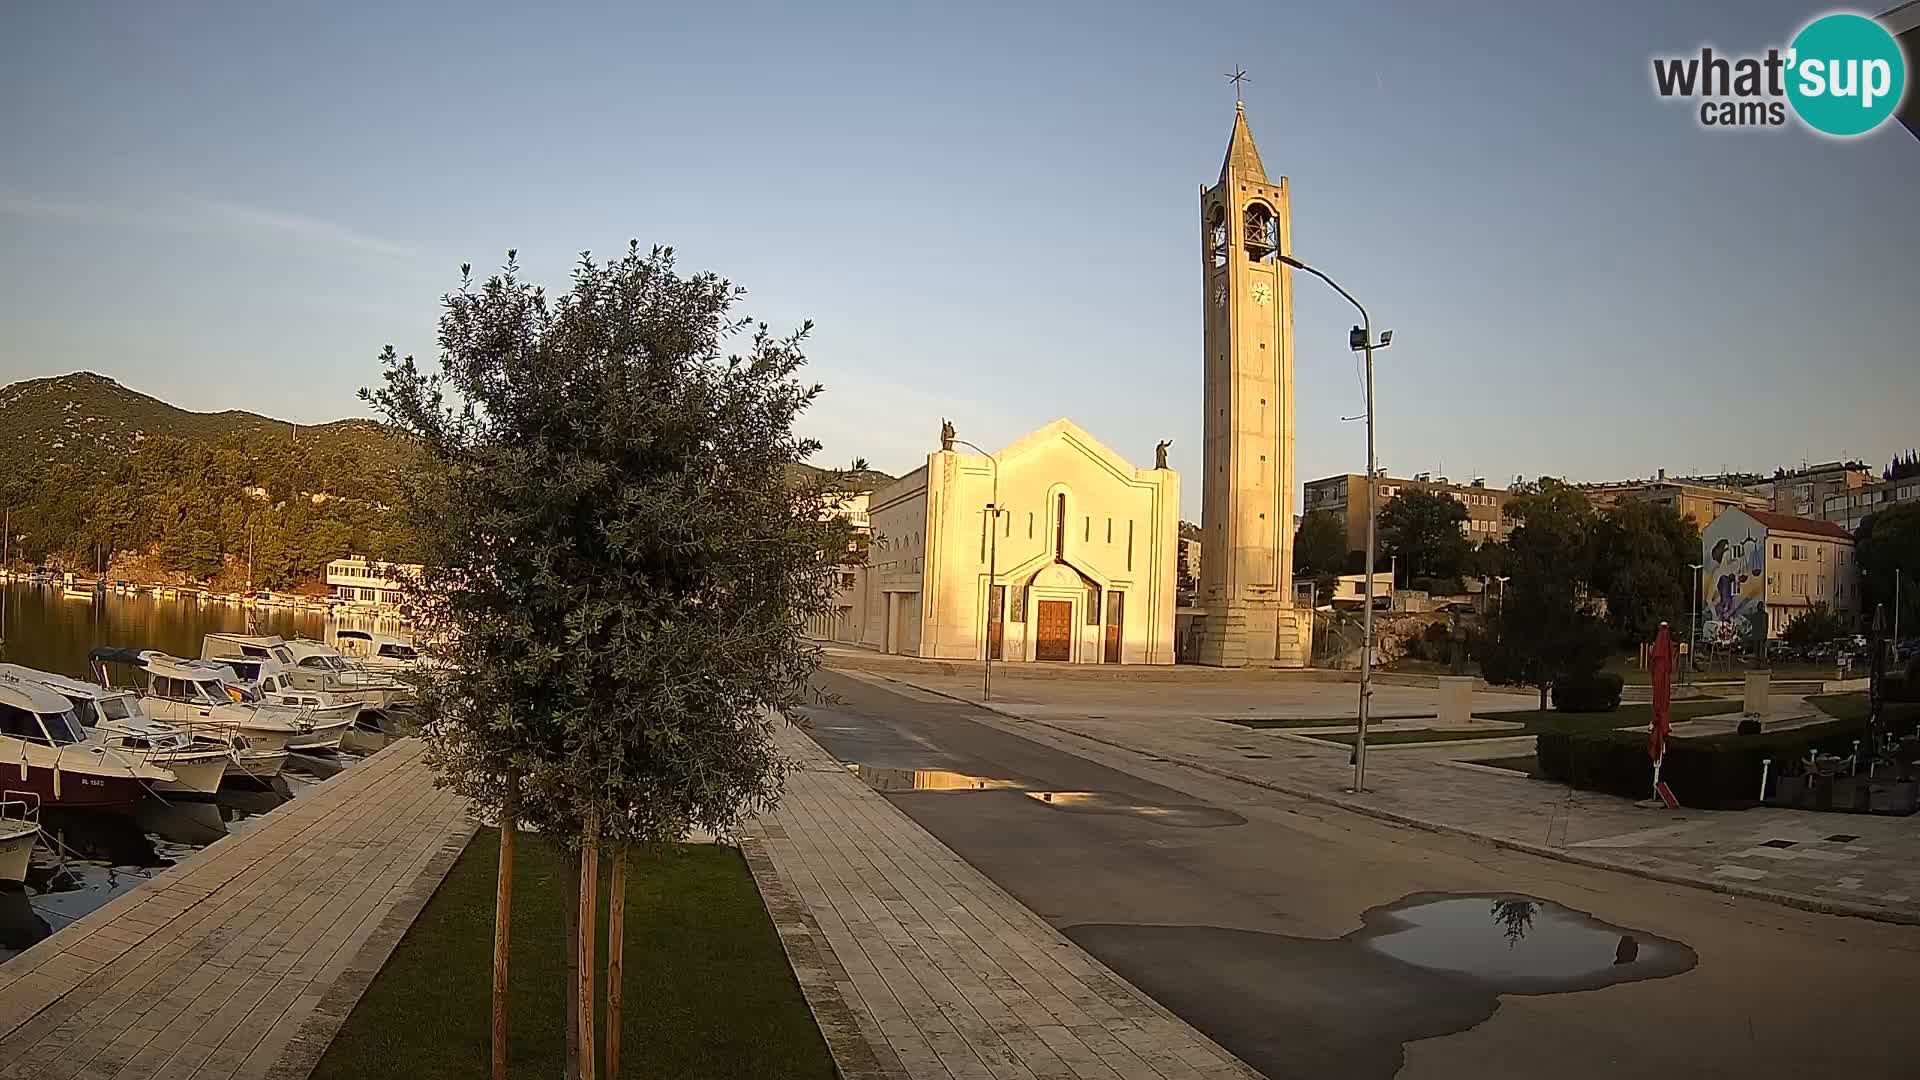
x=1345 y=496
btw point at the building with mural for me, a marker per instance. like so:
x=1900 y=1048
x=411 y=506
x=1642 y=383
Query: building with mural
x=1759 y=570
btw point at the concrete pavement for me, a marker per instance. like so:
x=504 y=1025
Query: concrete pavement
x=1839 y=863
x=1244 y=910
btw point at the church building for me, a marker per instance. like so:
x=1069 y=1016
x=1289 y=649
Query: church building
x=1058 y=550
x=1055 y=549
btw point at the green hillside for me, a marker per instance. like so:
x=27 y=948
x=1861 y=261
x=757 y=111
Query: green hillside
x=90 y=469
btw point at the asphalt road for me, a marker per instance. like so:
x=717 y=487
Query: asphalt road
x=1284 y=929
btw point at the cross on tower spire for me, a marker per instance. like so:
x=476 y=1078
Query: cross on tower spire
x=1238 y=78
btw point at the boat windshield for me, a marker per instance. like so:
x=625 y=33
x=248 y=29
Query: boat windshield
x=63 y=728
x=118 y=707
x=283 y=654
x=324 y=662
x=83 y=710
x=210 y=692
x=398 y=652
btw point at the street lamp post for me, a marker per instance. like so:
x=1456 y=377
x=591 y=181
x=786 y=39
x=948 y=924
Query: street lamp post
x=1693 y=623
x=1361 y=339
x=993 y=572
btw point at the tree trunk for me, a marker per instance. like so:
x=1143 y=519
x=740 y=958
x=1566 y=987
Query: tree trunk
x=616 y=948
x=589 y=896
x=571 y=1067
x=1543 y=697
x=502 y=923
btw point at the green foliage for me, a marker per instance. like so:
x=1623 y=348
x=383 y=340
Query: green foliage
x=1421 y=529
x=1543 y=627
x=1712 y=772
x=1813 y=626
x=194 y=504
x=1642 y=554
x=1888 y=542
x=1588 y=692
x=1320 y=544
x=621 y=560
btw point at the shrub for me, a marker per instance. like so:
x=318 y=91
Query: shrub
x=1716 y=772
x=1595 y=691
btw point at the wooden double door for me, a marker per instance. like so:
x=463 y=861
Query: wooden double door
x=1053 y=630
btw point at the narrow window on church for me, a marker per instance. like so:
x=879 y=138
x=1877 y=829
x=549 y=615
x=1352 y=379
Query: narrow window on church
x=1109 y=530
x=1093 y=604
x=1129 y=543
x=1088 y=527
x=1029 y=524
x=1060 y=529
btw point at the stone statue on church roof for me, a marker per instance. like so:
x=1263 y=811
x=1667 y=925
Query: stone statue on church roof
x=1160 y=453
x=946 y=434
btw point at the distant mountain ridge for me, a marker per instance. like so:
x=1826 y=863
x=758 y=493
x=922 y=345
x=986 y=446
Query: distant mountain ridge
x=90 y=421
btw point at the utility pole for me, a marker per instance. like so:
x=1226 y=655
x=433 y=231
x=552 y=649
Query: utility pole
x=1361 y=339
x=1896 y=605
x=1693 y=622
x=993 y=573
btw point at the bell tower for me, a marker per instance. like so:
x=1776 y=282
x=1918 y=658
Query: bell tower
x=1246 y=569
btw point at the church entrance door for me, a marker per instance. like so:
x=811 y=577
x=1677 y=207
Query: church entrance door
x=1053 y=638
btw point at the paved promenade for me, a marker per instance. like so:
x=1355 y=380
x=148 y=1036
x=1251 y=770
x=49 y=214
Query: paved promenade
x=241 y=962
x=1849 y=864
x=918 y=966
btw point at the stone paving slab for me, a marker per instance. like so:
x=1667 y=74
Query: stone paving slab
x=213 y=969
x=916 y=965
x=1783 y=856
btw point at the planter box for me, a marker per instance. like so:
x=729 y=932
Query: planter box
x=1896 y=797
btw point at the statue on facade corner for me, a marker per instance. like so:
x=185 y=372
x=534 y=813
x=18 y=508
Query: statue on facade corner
x=946 y=434
x=1160 y=453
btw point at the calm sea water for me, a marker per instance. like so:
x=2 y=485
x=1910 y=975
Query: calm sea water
x=42 y=628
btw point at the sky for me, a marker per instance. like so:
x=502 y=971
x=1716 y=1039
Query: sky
x=990 y=211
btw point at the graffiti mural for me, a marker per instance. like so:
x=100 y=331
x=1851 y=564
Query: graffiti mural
x=1734 y=578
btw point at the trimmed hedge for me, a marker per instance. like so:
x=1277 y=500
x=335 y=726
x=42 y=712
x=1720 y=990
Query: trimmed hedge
x=1716 y=772
x=1597 y=691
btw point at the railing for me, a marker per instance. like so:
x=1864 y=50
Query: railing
x=27 y=803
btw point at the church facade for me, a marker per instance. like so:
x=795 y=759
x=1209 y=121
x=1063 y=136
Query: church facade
x=1053 y=550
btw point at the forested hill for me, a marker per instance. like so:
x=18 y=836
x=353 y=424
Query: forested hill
x=90 y=468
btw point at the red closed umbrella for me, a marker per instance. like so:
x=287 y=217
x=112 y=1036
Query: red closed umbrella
x=1660 y=673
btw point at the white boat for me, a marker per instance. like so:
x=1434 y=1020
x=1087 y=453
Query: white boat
x=60 y=761
x=322 y=717
x=310 y=665
x=19 y=832
x=116 y=717
x=194 y=693
x=379 y=653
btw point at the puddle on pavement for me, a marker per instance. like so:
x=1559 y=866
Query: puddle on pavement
x=1517 y=944
x=1099 y=802
x=891 y=781
x=895 y=781
x=1426 y=966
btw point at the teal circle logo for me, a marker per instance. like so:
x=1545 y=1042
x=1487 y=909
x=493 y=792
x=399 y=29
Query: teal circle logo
x=1846 y=74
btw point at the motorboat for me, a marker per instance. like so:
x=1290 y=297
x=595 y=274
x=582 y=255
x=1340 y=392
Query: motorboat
x=319 y=666
x=19 y=832
x=265 y=684
x=58 y=760
x=194 y=694
x=377 y=652
x=116 y=717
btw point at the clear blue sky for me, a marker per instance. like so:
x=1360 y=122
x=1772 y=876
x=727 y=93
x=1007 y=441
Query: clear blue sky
x=989 y=210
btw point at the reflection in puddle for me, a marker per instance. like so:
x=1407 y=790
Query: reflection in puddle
x=894 y=780
x=891 y=781
x=1517 y=944
x=1099 y=802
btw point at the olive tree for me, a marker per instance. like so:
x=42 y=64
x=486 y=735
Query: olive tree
x=622 y=555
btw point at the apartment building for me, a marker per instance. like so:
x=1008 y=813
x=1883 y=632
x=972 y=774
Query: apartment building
x=1694 y=498
x=1345 y=496
x=1761 y=569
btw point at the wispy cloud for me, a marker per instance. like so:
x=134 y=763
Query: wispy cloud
x=201 y=215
